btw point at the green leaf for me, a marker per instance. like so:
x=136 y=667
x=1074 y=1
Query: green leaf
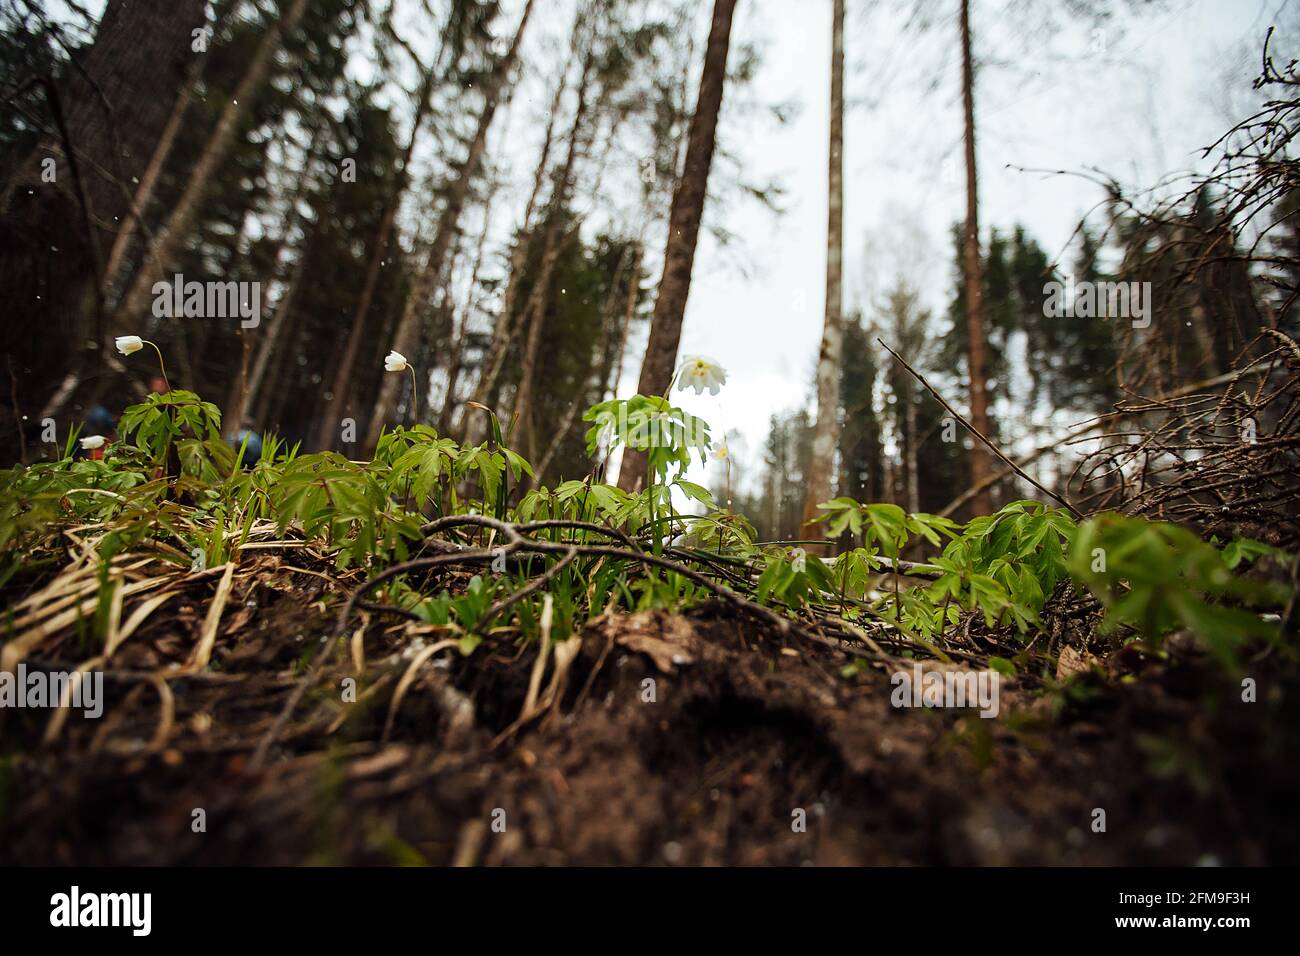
x=695 y=492
x=1003 y=666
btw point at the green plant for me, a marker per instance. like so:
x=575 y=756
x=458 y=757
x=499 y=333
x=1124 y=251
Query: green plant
x=666 y=434
x=1156 y=577
x=1151 y=578
x=179 y=420
x=325 y=495
x=1006 y=565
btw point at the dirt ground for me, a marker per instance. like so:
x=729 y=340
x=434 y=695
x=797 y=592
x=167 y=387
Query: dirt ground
x=747 y=737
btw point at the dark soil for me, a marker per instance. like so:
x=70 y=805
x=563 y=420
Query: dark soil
x=743 y=733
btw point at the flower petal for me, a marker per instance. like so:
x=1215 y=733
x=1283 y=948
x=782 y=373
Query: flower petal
x=126 y=344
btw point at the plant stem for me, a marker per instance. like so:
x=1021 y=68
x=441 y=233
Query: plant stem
x=898 y=599
x=415 y=397
x=650 y=489
x=162 y=367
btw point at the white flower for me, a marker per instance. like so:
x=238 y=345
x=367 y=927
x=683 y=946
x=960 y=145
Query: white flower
x=395 y=361
x=722 y=453
x=91 y=442
x=126 y=344
x=700 y=373
x=799 y=559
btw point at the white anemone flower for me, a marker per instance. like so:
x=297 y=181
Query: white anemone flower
x=130 y=344
x=700 y=373
x=395 y=361
x=91 y=442
x=722 y=453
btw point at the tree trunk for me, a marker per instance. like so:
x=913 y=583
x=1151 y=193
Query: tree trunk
x=534 y=314
x=598 y=378
x=232 y=414
x=910 y=450
x=162 y=150
x=456 y=361
x=610 y=314
x=342 y=394
x=112 y=118
x=975 y=328
x=271 y=344
x=143 y=193
x=826 y=434
x=56 y=233
x=406 y=337
x=274 y=333
x=341 y=391
x=629 y=313
x=174 y=231
x=683 y=231
x=494 y=361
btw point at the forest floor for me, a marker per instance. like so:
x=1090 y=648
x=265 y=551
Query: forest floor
x=747 y=728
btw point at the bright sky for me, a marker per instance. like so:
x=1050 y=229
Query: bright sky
x=1137 y=99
